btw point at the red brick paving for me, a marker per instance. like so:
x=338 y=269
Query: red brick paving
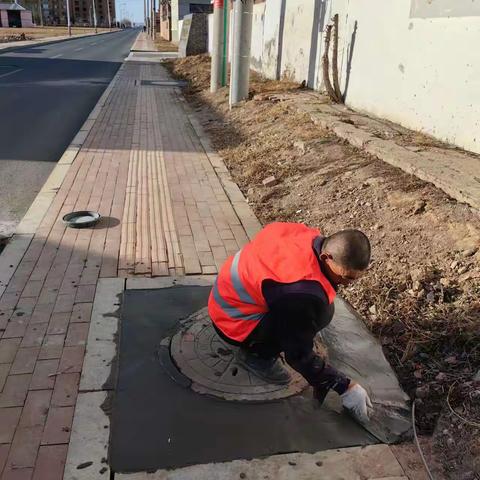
x=149 y=171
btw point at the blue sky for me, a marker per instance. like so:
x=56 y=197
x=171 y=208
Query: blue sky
x=130 y=9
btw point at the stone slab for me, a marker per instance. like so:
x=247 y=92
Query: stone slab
x=375 y=462
x=101 y=345
x=88 y=447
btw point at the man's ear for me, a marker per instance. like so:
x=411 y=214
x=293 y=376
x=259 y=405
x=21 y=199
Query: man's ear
x=325 y=256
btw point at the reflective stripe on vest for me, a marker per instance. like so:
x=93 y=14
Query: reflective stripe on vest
x=243 y=295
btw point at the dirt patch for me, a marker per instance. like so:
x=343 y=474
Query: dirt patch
x=20 y=34
x=421 y=295
x=164 y=46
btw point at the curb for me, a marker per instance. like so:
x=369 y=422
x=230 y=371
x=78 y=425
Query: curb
x=52 y=40
x=20 y=240
x=399 y=157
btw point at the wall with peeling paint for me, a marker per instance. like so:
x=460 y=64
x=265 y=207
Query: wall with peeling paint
x=414 y=62
x=423 y=73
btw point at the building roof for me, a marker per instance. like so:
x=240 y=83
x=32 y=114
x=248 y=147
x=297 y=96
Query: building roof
x=11 y=6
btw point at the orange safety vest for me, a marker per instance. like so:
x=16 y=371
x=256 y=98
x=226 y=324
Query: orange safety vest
x=282 y=252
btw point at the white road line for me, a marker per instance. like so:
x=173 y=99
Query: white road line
x=94 y=43
x=56 y=56
x=78 y=49
x=11 y=73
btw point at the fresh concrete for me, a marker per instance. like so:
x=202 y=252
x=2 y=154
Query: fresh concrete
x=354 y=351
x=375 y=462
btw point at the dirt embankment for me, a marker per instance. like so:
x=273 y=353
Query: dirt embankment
x=421 y=297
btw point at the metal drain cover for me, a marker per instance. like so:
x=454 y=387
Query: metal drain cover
x=202 y=356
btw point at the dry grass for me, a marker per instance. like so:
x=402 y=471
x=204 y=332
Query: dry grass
x=44 y=32
x=421 y=296
x=164 y=46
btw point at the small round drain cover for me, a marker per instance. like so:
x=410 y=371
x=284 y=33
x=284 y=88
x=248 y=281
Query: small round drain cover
x=210 y=363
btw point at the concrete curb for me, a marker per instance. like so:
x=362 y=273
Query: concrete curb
x=20 y=241
x=48 y=41
x=461 y=188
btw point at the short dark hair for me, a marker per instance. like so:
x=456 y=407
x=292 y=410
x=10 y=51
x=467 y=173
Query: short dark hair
x=349 y=248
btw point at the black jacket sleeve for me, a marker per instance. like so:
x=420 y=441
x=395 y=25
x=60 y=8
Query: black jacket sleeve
x=298 y=317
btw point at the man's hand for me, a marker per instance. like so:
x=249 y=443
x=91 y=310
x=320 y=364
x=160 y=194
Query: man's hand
x=357 y=401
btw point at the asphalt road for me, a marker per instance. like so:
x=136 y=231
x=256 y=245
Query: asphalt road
x=46 y=93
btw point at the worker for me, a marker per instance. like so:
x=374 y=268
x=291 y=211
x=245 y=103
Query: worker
x=277 y=293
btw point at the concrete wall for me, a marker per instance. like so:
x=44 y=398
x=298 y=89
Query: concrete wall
x=26 y=17
x=414 y=62
x=176 y=29
x=4 y=18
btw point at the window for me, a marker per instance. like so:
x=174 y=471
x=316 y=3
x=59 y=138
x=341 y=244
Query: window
x=200 y=8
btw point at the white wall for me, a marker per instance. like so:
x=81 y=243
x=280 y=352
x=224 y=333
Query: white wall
x=422 y=72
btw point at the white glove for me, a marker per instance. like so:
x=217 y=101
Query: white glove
x=357 y=402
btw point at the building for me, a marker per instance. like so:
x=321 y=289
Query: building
x=54 y=12
x=14 y=15
x=173 y=11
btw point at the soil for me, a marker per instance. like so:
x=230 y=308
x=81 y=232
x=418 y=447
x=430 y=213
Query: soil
x=421 y=296
x=163 y=45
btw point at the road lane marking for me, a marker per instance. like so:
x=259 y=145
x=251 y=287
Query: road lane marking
x=78 y=49
x=11 y=73
x=94 y=43
x=56 y=56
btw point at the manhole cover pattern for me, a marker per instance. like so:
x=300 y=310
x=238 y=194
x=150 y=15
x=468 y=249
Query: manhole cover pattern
x=210 y=363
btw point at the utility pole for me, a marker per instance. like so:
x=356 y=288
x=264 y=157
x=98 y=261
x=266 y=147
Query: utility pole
x=242 y=41
x=217 y=47
x=109 y=17
x=154 y=22
x=40 y=12
x=94 y=16
x=69 y=25
x=145 y=13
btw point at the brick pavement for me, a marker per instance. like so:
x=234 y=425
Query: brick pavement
x=165 y=212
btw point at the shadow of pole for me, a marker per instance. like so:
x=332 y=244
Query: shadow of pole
x=351 y=47
x=281 y=28
x=319 y=13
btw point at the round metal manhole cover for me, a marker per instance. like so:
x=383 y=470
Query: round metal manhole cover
x=210 y=363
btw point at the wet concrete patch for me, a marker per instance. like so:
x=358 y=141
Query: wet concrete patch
x=161 y=423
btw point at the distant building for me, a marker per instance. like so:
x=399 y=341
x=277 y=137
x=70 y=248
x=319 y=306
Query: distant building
x=173 y=11
x=14 y=15
x=54 y=12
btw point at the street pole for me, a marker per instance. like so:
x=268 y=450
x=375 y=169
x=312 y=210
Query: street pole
x=217 y=46
x=109 y=17
x=69 y=25
x=145 y=13
x=242 y=41
x=154 y=21
x=226 y=22
x=95 y=16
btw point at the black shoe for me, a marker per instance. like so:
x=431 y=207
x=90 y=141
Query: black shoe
x=271 y=370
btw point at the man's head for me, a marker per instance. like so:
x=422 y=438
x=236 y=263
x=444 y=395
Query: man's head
x=345 y=256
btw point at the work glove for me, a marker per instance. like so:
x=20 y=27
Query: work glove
x=357 y=402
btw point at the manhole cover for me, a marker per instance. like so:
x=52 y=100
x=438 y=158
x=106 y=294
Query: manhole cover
x=210 y=363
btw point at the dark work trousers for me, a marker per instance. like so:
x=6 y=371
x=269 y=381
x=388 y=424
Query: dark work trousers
x=262 y=341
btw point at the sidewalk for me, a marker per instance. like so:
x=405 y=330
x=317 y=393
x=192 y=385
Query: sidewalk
x=169 y=209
